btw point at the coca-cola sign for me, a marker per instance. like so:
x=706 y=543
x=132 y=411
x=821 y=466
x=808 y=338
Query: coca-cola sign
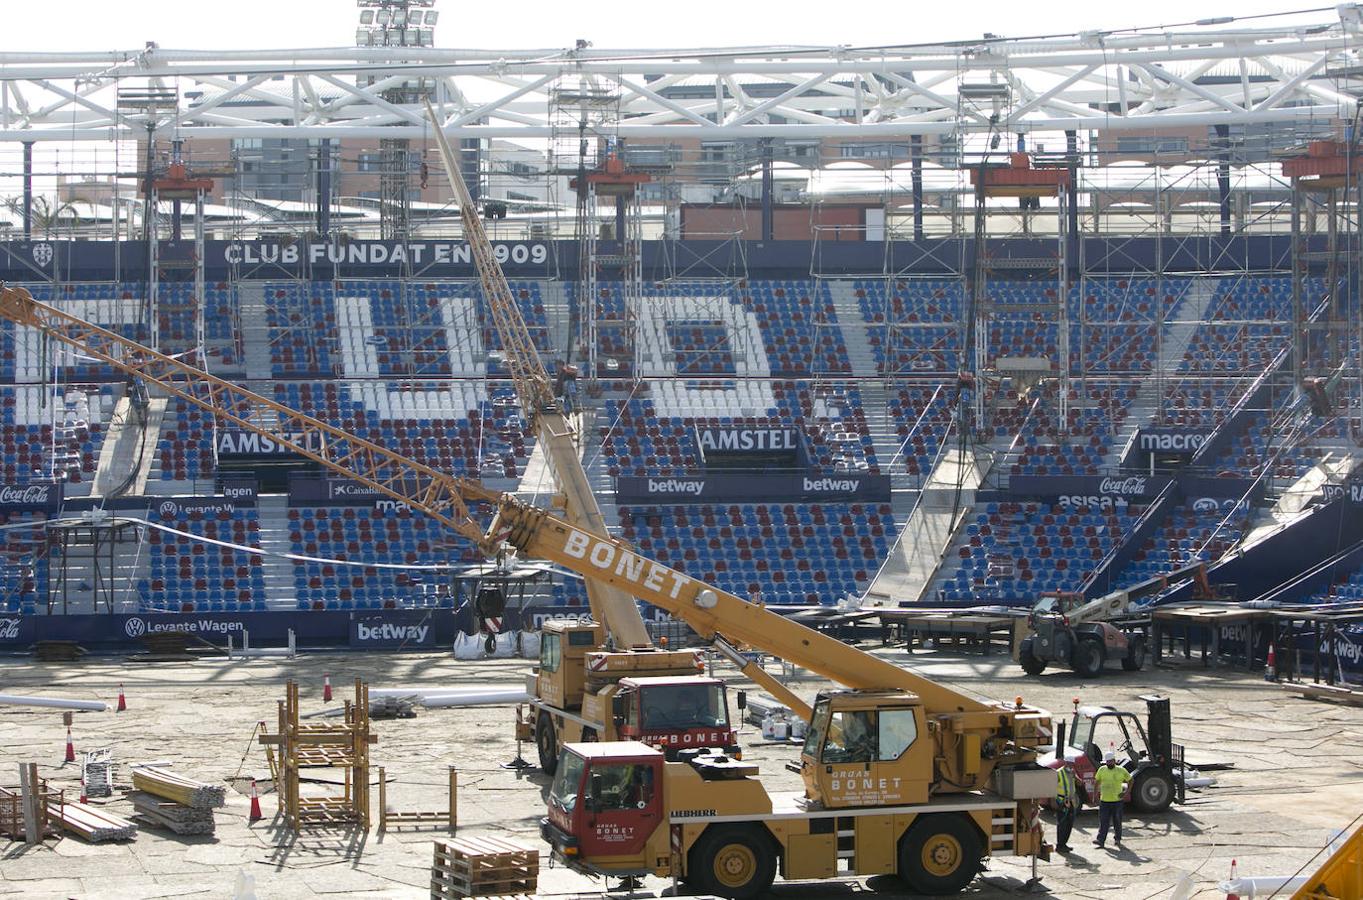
x=1088 y=487
x=46 y=496
x=1130 y=486
x=16 y=630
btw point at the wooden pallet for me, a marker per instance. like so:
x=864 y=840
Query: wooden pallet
x=57 y=651
x=483 y=866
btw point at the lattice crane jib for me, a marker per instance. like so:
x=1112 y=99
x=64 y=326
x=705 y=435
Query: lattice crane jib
x=610 y=606
x=440 y=495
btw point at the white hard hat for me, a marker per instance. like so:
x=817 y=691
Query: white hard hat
x=1109 y=756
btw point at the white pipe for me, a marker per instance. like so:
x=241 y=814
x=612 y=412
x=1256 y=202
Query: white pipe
x=488 y=698
x=1262 y=885
x=54 y=703
x=377 y=693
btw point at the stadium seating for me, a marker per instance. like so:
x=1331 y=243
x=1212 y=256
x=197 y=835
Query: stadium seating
x=790 y=553
x=193 y=576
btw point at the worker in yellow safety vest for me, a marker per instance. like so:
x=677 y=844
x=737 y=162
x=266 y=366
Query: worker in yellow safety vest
x=1112 y=780
x=1066 y=805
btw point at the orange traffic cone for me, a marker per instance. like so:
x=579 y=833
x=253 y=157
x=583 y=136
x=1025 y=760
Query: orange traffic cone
x=122 y=702
x=256 y=814
x=83 y=798
x=326 y=688
x=1232 y=895
x=1271 y=668
x=70 y=747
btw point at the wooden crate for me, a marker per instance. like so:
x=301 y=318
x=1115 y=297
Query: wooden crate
x=483 y=867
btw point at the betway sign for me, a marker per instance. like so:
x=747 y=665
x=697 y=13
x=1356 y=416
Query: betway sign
x=744 y=487
x=376 y=632
x=1173 y=441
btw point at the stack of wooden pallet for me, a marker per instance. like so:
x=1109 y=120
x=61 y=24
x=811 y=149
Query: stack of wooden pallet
x=94 y=825
x=483 y=867
x=57 y=651
x=183 y=805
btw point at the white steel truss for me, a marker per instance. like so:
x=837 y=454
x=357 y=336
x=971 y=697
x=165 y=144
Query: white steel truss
x=1112 y=81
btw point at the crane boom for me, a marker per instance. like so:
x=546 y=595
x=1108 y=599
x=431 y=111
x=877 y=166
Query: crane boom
x=535 y=532
x=612 y=607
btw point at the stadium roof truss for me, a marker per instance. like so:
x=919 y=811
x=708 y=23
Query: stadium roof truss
x=1101 y=80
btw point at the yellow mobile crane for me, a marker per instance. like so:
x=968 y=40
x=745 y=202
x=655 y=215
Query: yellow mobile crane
x=580 y=690
x=902 y=775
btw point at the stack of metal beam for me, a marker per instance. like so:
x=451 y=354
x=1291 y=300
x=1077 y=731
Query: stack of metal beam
x=94 y=825
x=99 y=773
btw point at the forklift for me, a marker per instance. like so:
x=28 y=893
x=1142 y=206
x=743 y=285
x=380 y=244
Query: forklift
x=1158 y=775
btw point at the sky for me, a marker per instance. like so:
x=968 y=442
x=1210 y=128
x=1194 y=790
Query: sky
x=75 y=25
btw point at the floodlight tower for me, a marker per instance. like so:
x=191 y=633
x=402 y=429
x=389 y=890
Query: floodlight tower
x=396 y=23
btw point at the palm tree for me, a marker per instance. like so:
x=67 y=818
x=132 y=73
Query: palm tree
x=48 y=213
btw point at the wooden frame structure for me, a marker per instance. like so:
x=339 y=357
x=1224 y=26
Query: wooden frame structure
x=449 y=817
x=336 y=745
x=25 y=811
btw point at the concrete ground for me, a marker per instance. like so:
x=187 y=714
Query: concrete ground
x=1295 y=779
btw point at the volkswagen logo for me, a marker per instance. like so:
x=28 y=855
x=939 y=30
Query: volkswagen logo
x=168 y=509
x=42 y=254
x=135 y=627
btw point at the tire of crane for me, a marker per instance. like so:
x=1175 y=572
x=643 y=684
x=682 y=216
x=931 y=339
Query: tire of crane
x=940 y=854
x=546 y=742
x=735 y=861
x=1088 y=657
x=1030 y=664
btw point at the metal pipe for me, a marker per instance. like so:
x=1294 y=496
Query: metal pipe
x=54 y=703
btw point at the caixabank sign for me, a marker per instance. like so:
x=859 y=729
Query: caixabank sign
x=753 y=488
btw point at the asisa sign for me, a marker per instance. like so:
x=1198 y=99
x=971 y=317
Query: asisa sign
x=378 y=253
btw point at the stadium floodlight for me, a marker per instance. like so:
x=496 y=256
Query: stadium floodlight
x=361 y=37
x=367 y=17
x=384 y=16
x=427 y=37
x=432 y=16
x=411 y=37
x=399 y=17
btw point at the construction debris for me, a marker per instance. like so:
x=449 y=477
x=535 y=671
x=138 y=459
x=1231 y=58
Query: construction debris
x=98 y=772
x=168 y=814
x=178 y=789
x=94 y=825
x=482 y=867
x=393 y=707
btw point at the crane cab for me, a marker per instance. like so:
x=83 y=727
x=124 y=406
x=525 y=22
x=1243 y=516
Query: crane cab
x=606 y=806
x=561 y=678
x=867 y=748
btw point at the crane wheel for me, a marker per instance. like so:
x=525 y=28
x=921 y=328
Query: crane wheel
x=1134 y=660
x=734 y=861
x=940 y=854
x=546 y=743
x=1153 y=791
x=1030 y=664
x=1088 y=657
